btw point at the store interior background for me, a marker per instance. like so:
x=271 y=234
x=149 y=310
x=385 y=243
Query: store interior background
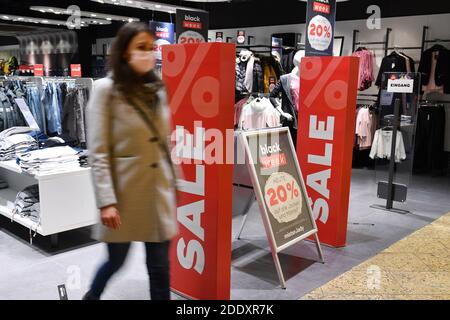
x=253 y=272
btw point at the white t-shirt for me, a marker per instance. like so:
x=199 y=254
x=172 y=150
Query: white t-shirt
x=382 y=145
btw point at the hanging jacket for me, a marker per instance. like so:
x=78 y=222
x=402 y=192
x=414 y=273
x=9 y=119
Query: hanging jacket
x=258 y=77
x=240 y=77
x=382 y=145
x=283 y=88
x=391 y=63
x=441 y=70
x=269 y=72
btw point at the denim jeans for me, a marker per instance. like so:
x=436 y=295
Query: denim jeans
x=157 y=266
x=6 y=112
x=52 y=109
x=33 y=101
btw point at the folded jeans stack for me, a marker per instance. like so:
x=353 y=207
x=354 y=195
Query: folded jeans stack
x=51 y=160
x=27 y=203
x=13 y=146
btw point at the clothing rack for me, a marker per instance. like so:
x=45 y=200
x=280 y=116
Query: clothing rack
x=300 y=46
x=425 y=42
x=252 y=47
x=367 y=97
x=85 y=82
x=385 y=43
x=39 y=81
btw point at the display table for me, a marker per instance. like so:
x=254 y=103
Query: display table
x=67 y=199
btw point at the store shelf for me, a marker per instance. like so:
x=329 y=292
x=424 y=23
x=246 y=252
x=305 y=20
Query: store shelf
x=14 y=167
x=7 y=198
x=67 y=198
x=11 y=166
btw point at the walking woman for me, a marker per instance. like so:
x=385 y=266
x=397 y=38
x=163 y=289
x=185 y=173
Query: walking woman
x=134 y=179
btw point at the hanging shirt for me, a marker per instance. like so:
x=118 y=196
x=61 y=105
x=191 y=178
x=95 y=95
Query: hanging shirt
x=366 y=76
x=259 y=114
x=382 y=145
x=365 y=124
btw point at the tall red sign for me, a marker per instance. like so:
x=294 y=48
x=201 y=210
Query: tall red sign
x=200 y=82
x=328 y=91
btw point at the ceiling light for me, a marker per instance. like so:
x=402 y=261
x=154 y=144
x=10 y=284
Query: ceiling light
x=147 y=5
x=34 y=20
x=103 y=16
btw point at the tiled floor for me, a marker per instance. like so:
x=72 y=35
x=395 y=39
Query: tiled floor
x=34 y=271
x=415 y=268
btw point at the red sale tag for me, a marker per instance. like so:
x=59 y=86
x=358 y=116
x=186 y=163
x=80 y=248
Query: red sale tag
x=75 y=70
x=39 y=70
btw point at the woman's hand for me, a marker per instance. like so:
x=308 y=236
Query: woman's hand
x=110 y=217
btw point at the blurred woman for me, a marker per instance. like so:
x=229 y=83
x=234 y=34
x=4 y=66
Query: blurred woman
x=134 y=179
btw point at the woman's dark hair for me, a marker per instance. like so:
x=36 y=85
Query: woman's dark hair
x=123 y=75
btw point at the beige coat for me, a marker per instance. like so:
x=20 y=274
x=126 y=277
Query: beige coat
x=128 y=167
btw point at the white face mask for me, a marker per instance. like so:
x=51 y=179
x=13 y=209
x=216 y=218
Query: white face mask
x=142 y=61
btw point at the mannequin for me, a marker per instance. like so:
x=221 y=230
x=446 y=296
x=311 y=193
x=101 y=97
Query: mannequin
x=289 y=88
x=244 y=69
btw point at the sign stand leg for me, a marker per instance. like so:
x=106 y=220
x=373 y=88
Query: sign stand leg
x=246 y=212
x=319 y=248
x=242 y=226
x=276 y=259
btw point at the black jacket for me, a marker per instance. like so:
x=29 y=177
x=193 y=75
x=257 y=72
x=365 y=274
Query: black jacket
x=283 y=87
x=442 y=74
x=393 y=63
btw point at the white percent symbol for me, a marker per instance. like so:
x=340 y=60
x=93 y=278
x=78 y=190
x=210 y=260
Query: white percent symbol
x=335 y=93
x=205 y=90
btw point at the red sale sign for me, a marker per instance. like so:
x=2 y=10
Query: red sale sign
x=200 y=82
x=328 y=90
x=39 y=70
x=75 y=70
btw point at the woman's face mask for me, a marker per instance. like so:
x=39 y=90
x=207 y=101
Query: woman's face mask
x=141 y=61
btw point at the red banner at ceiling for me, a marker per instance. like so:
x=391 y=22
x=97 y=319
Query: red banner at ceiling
x=328 y=91
x=200 y=82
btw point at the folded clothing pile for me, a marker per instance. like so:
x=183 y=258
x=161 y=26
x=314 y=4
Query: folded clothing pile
x=27 y=203
x=14 y=130
x=57 y=141
x=15 y=145
x=83 y=157
x=51 y=160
